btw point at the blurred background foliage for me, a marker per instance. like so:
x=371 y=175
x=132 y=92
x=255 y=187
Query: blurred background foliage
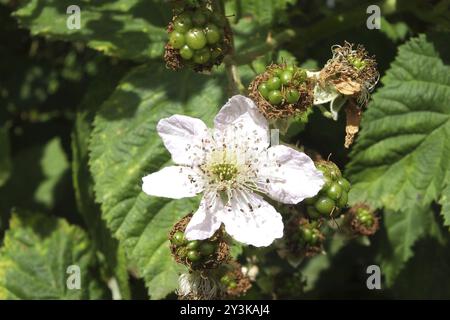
x=54 y=82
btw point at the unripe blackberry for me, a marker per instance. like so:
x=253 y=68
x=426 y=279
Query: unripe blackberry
x=361 y=220
x=303 y=238
x=282 y=91
x=198 y=37
x=351 y=71
x=235 y=283
x=333 y=196
x=198 y=254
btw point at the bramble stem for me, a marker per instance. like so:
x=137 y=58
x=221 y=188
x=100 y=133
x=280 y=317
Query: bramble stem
x=234 y=79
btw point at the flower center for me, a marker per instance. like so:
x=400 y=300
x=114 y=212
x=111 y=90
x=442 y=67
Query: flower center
x=224 y=171
x=357 y=63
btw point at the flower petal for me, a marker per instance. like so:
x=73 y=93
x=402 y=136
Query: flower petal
x=174 y=182
x=204 y=222
x=290 y=175
x=324 y=95
x=251 y=220
x=182 y=136
x=241 y=113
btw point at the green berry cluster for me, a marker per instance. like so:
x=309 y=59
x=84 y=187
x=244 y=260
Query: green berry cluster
x=334 y=194
x=310 y=234
x=194 y=252
x=365 y=217
x=198 y=35
x=229 y=281
x=282 y=85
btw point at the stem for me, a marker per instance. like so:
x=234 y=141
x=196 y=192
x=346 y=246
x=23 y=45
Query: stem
x=234 y=80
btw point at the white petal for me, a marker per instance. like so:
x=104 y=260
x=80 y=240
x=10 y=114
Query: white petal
x=336 y=105
x=241 y=113
x=324 y=95
x=290 y=175
x=174 y=182
x=182 y=136
x=251 y=220
x=204 y=222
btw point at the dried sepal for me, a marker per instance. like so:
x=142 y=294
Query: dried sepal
x=200 y=285
x=354 y=114
x=351 y=71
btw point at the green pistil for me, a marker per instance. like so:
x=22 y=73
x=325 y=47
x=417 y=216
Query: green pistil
x=357 y=63
x=224 y=171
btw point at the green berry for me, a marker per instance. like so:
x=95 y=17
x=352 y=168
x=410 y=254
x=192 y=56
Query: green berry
x=186 y=53
x=275 y=97
x=274 y=83
x=312 y=212
x=314 y=237
x=324 y=205
x=199 y=18
x=363 y=212
x=207 y=248
x=365 y=219
x=193 y=244
x=264 y=90
x=193 y=255
x=195 y=38
x=334 y=192
x=300 y=75
x=232 y=285
x=178 y=238
x=307 y=235
x=328 y=182
x=202 y=56
x=286 y=77
x=181 y=252
x=291 y=68
x=342 y=202
x=176 y=39
x=225 y=280
x=292 y=95
x=344 y=184
x=212 y=33
x=277 y=72
x=183 y=22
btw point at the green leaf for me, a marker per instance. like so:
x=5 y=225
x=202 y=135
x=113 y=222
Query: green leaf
x=401 y=157
x=129 y=29
x=43 y=167
x=125 y=147
x=394 y=31
x=36 y=254
x=114 y=257
x=5 y=155
x=445 y=202
x=422 y=277
x=264 y=12
x=403 y=229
